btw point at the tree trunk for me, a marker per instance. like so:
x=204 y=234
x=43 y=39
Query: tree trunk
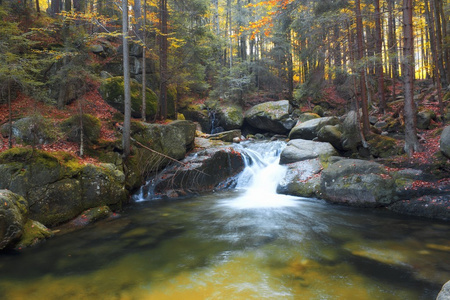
x=38 y=8
x=439 y=42
x=137 y=15
x=434 y=53
x=144 y=68
x=362 y=72
x=126 y=83
x=9 y=116
x=163 y=48
x=378 y=50
x=392 y=40
x=411 y=141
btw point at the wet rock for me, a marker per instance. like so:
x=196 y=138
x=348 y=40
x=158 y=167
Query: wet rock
x=302 y=179
x=445 y=142
x=13 y=216
x=200 y=172
x=444 y=294
x=298 y=150
x=271 y=116
x=430 y=206
x=34 y=233
x=308 y=130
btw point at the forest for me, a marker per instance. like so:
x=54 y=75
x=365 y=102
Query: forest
x=224 y=149
x=362 y=54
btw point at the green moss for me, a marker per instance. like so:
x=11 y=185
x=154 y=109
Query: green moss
x=33 y=233
x=112 y=90
x=91 y=128
x=383 y=146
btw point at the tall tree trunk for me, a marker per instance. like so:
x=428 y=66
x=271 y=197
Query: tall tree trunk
x=434 y=53
x=362 y=72
x=411 y=141
x=10 y=133
x=144 y=68
x=392 y=41
x=439 y=41
x=378 y=50
x=163 y=49
x=137 y=15
x=126 y=137
x=38 y=8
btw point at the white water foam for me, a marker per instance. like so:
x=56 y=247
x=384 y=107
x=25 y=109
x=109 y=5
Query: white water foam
x=260 y=179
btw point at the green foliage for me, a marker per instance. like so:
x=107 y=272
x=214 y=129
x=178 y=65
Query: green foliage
x=18 y=64
x=234 y=84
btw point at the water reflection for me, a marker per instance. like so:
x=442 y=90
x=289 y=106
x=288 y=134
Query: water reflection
x=203 y=249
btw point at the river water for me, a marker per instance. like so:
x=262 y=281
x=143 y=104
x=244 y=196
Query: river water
x=246 y=243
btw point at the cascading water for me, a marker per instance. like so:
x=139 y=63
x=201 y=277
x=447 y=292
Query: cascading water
x=260 y=177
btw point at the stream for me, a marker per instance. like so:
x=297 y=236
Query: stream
x=245 y=243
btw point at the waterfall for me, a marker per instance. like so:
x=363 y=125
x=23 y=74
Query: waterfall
x=260 y=178
x=257 y=183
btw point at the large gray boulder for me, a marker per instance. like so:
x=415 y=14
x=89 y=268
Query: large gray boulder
x=13 y=216
x=445 y=142
x=271 y=116
x=351 y=136
x=302 y=179
x=358 y=183
x=299 y=150
x=199 y=173
x=308 y=130
x=444 y=294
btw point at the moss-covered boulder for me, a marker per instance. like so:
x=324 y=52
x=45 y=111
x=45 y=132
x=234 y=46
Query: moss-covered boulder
x=358 y=183
x=57 y=187
x=172 y=140
x=91 y=128
x=381 y=146
x=331 y=134
x=230 y=117
x=303 y=117
x=33 y=233
x=112 y=90
x=32 y=130
x=424 y=118
x=271 y=116
x=13 y=216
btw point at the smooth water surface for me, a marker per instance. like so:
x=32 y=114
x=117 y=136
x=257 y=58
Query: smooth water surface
x=249 y=243
x=211 y=247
